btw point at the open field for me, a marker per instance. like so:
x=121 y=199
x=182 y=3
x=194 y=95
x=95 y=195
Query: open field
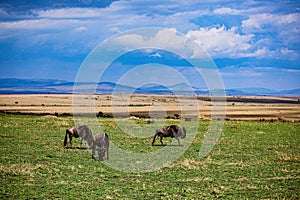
x=255 y=108
x=252 y=160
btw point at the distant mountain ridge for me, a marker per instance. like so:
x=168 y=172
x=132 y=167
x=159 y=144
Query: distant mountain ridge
x=53 y=86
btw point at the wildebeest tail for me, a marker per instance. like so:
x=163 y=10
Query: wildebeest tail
x=66 y=138
x=107 y=144
x=107 y=140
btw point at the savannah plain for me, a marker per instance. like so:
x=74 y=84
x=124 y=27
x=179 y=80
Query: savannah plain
x=257 y=155
x=251 y=108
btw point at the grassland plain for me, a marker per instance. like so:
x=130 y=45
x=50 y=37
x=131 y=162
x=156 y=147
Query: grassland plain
x=252 y=160
x=251 y=108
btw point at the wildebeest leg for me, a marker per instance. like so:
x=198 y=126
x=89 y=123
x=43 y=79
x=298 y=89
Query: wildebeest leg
x=70 y=137
x=101 y=153
x=170 y=141
x=161 y=137
x=107 y=145
x=66 y=139
x=93 y=154
x=154 y=138
x=178 y=141
x=80 y=142
x=106 y=142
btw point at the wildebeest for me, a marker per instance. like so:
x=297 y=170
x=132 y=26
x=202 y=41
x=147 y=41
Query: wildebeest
x=84 y=132
x=172 y=131
x=101 y=146
x=150 y=121
x=99 y=143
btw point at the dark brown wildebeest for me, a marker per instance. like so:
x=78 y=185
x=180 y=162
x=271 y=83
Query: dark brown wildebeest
x=82 y=132
x=99 y=143
x=172 y=131
x=101 y=146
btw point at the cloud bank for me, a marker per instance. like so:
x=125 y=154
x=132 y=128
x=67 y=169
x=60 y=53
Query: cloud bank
x=64 y=32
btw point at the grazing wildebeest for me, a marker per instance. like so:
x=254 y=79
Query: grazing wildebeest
x=172 y=131
x=100 y=145
x=83 y=132
x=150 y=121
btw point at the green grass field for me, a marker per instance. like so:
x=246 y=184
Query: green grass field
x=252 y=160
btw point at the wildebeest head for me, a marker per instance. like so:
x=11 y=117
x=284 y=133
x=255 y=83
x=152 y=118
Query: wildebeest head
x=182 y=132
x=101 y=145
x=101 y=153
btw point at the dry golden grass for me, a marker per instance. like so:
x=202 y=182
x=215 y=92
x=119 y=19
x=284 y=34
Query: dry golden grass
x=19 y=169
x=237 y=108
x=190 y=164
x=287 y=157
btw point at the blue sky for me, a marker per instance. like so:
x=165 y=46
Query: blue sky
x=253 y=43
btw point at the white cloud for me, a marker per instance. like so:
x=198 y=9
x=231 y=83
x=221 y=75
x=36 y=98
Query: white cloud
x=294 y=70
x=70 y=13
x=42 y=24
x=245 y=71
x=221 y=41
x=241 y=73
x=287 y=53
x=246 y=12
x=166 y=39
x=261 y=22
x=100 y=23
x=262 y=52
x=157 y=55
x=81 y=29
x=227 y=11
x=120 y=16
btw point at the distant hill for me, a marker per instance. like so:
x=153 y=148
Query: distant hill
x=52 y=86
x=295 y=92
x=261 y=92
x=29 y=86
x=251 y=91
x=20 y=83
